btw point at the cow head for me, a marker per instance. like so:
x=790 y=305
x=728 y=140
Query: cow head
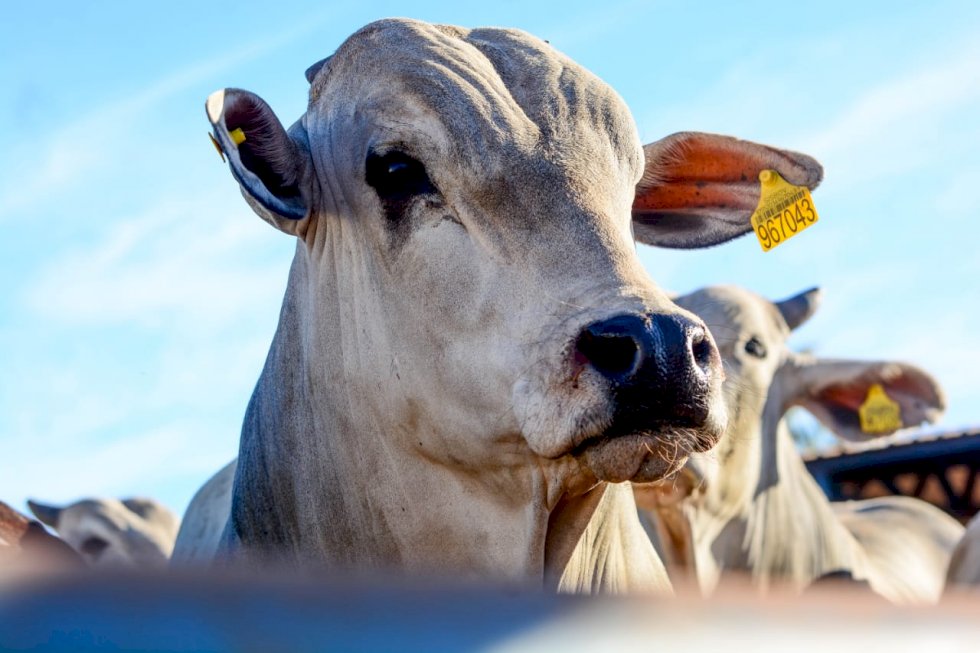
x=465 y=203
x=111 y=533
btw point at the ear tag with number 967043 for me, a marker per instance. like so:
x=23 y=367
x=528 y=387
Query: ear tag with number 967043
x=784 y=210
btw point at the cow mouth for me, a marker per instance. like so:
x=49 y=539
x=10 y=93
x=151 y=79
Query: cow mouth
x=643 y=456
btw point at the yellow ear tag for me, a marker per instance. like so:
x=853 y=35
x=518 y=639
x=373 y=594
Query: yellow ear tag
x=878 y=413
x=217 y=146
x=237 y=135
x=784 y=210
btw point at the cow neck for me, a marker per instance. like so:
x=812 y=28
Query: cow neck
x=613 y=554
x=727 y=497
x=738 y=458
x=762 y=512
x=794 y=534
x=319 y=480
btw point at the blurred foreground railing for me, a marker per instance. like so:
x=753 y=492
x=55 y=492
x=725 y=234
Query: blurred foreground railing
x=221 y=612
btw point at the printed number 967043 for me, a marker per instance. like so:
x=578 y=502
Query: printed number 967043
x=791 y=220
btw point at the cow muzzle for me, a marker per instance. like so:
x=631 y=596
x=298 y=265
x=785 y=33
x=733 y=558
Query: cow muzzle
x=663 y=373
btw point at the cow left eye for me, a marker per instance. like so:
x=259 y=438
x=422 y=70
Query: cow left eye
x=755 y=348
x=395 y=176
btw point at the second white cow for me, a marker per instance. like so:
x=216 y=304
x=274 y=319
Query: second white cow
x=760 y=511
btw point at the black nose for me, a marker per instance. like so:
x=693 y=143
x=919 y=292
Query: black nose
x=621 y=347
x=657 y=364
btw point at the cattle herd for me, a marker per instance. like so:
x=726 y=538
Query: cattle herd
x=473 y=377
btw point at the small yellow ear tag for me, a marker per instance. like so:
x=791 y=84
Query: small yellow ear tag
x=217 y=146
x=784 y=210
x=237 y=135
x=878 y=413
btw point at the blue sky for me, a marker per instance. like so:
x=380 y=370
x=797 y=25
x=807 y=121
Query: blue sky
x=138 y=293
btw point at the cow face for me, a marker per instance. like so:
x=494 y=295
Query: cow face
x=465 y=204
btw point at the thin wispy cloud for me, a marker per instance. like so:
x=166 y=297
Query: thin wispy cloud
x=203 y=260
x=894 y=126
x=959 y=196
x=69 y=153
x=568 y=33
x=168 y=311
x=115 y=468
x=165 y=308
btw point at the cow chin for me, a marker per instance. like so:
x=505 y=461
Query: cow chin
x=614 y=445
x=642 y=457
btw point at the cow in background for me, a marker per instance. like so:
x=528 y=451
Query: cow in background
x=133 y=532
x=760 y=511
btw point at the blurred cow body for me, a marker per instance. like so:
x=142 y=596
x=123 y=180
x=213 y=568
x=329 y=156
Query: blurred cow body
x=964 y=566
x=205 y=519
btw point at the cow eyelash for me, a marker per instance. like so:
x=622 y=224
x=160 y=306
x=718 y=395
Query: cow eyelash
x=396 y=176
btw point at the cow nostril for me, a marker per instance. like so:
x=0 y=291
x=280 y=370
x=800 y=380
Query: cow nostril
x=612 y=353
x=702 y=349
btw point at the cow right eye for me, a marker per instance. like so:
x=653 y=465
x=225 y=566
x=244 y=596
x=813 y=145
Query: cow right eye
x=397 y=177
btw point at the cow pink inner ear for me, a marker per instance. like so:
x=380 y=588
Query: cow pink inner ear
x=687 y=194
x=853 y=395
x=849 y=396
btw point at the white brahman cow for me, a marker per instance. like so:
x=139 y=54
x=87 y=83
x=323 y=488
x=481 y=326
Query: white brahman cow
x=760 y=511
x=469 y=349
x=964 y=566
x=134 y=532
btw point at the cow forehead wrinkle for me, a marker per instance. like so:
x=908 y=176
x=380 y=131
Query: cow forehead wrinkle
x=429 y=69
x=511 y=175
x=484 y=85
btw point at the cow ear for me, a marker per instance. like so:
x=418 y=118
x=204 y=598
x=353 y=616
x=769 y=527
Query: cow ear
x=799 y=308
x=314 y=70
x=700 y=190
x=834 y=392
x=45 y=513
x=272 y=166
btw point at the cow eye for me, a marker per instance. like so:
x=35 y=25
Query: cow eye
x=755 y=347
x=94 y=546
x=395 y=176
